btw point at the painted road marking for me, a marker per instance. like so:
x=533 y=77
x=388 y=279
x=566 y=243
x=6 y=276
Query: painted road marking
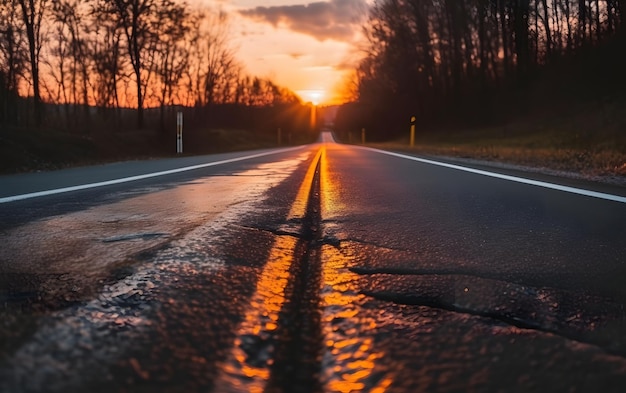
x=298 y=209
x=572 y=190
x=139 y=177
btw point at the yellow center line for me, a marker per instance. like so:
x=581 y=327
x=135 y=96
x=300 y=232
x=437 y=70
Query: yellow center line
x=298 y=209
x=261 y=318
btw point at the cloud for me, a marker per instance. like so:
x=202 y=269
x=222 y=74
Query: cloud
x=330 y=20
x=296 y=55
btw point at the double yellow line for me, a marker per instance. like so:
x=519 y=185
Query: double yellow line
x=298 y=209
x=261 y=318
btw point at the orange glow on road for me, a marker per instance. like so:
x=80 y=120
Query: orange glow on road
x=354 y=358
x=261 y=319
x=352 y=362
x=298 y=208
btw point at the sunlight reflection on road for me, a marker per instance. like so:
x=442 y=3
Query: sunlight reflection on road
x=256 y=331
x=350 y=361
x=248 y=367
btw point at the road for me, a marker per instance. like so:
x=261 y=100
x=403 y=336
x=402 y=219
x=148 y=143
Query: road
x=321 y=268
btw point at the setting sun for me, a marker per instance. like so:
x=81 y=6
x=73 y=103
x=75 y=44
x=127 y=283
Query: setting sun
x=297 y=42
x=313 y=96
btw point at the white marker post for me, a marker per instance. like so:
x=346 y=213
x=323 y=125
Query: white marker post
x=179 y=133
x=412 y=142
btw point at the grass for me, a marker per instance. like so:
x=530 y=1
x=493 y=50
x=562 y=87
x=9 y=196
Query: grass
x=24 y=150
x=588 y=144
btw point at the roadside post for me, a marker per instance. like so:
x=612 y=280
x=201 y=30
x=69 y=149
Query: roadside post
x=412 y=142
x=279 y=136
x=179 y=132
x=362 y=136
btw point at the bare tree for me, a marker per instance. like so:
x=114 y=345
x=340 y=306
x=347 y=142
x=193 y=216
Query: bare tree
x=12 y=59
x=107 y=64
x=172 y=58
x=212 y=73
x=218 y=56
x=137 y=20
x=32 y=14
x=60 y=56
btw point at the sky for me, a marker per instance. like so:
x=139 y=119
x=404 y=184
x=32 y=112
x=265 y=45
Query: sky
x=306 y=46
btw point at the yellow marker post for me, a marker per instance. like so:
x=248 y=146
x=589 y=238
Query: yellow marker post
x=412 y=143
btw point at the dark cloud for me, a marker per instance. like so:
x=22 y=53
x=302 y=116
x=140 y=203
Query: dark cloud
x=336 y=19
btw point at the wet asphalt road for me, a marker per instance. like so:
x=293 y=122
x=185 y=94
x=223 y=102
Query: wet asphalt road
x=325 y=268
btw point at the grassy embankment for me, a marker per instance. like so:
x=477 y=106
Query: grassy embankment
x=590 y=143
x=24 y=150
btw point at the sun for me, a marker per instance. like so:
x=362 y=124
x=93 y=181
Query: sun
x=313 y=96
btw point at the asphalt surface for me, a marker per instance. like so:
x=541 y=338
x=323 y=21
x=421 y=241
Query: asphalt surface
x=325 y=268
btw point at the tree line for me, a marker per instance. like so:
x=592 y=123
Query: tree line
x=443 y=59
x=66 y=59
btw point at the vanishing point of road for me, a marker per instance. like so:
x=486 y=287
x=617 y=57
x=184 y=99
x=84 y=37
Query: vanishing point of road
x=319 y=268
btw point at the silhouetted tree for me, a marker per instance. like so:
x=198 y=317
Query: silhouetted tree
x=171 y=53
x=450 y=58
x=12 y=59
x=32 y=14
x=107 y=65
x=139 y=24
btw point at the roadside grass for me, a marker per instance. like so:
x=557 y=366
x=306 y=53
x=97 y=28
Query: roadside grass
x=24 y=150
x=588 y=144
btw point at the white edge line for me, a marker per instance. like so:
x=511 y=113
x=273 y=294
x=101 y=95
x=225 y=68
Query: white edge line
x=138 y=177
x=573 y=190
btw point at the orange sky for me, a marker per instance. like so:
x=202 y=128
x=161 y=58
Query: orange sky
x=307 y=46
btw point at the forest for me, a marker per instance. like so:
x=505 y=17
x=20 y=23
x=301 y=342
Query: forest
x=465 y=63
x=92 y=65
x=123 y=67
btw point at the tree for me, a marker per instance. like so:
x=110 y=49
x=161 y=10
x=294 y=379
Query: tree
x=107 y=63
x=172 y=58
x=138 y=22
x=32 y=14
x=12 y=59
x=218 y=56
x=521 y=16
x=434 y=58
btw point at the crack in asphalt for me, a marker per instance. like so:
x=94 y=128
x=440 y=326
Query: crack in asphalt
x=134 y=236
x=321 y=241
x=402 y=271
x=373 y=244
x=562 y=329
x=273 y=231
